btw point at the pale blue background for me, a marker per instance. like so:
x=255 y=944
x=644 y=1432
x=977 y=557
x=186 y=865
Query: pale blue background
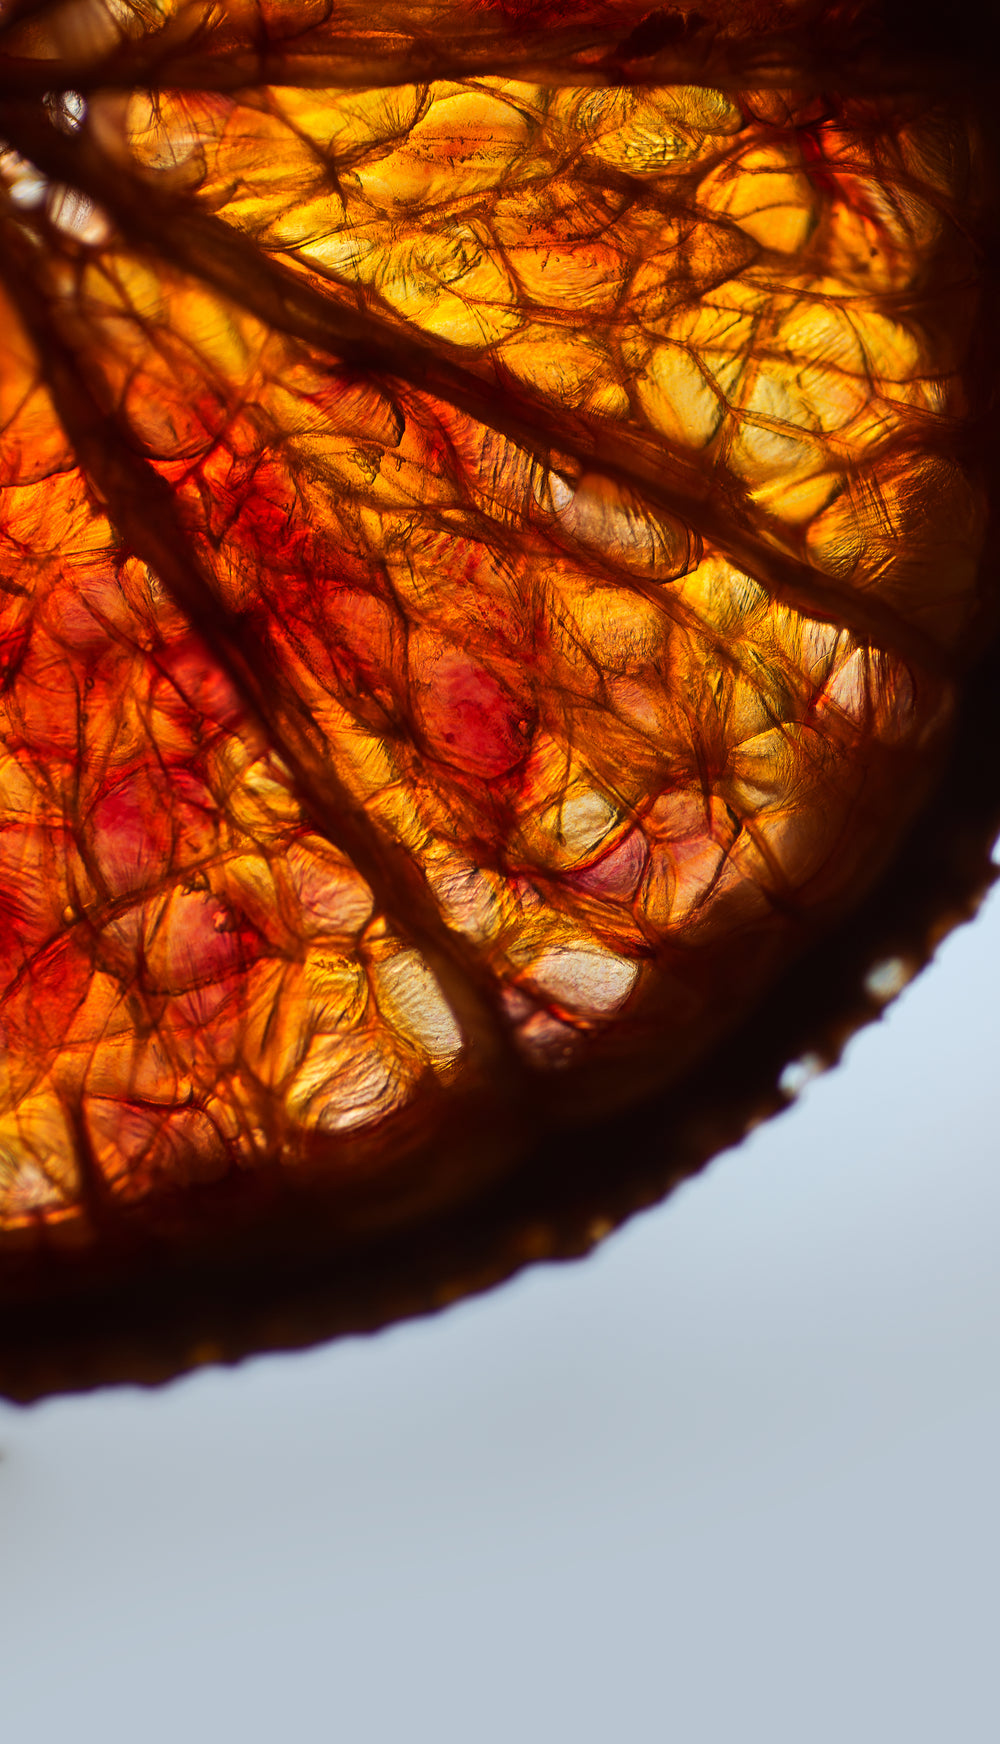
x=734 y=1479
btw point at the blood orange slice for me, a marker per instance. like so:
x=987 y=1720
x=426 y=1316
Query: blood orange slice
x=493 y=524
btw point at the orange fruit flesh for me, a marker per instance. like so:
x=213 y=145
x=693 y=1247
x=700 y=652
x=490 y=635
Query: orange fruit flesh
x=490 y=563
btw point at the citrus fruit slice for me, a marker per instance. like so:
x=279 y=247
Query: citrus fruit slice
x=494 y=514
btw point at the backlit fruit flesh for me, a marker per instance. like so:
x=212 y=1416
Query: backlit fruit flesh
x=491 y=542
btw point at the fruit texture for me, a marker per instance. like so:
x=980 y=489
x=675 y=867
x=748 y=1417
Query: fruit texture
x=491 y=534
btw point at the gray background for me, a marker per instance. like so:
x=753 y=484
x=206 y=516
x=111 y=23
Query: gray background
x=731 y=1479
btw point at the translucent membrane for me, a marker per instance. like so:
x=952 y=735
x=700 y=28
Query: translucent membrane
x=486 y=561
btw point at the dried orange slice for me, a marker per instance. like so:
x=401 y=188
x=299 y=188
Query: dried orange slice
x=493 y=511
